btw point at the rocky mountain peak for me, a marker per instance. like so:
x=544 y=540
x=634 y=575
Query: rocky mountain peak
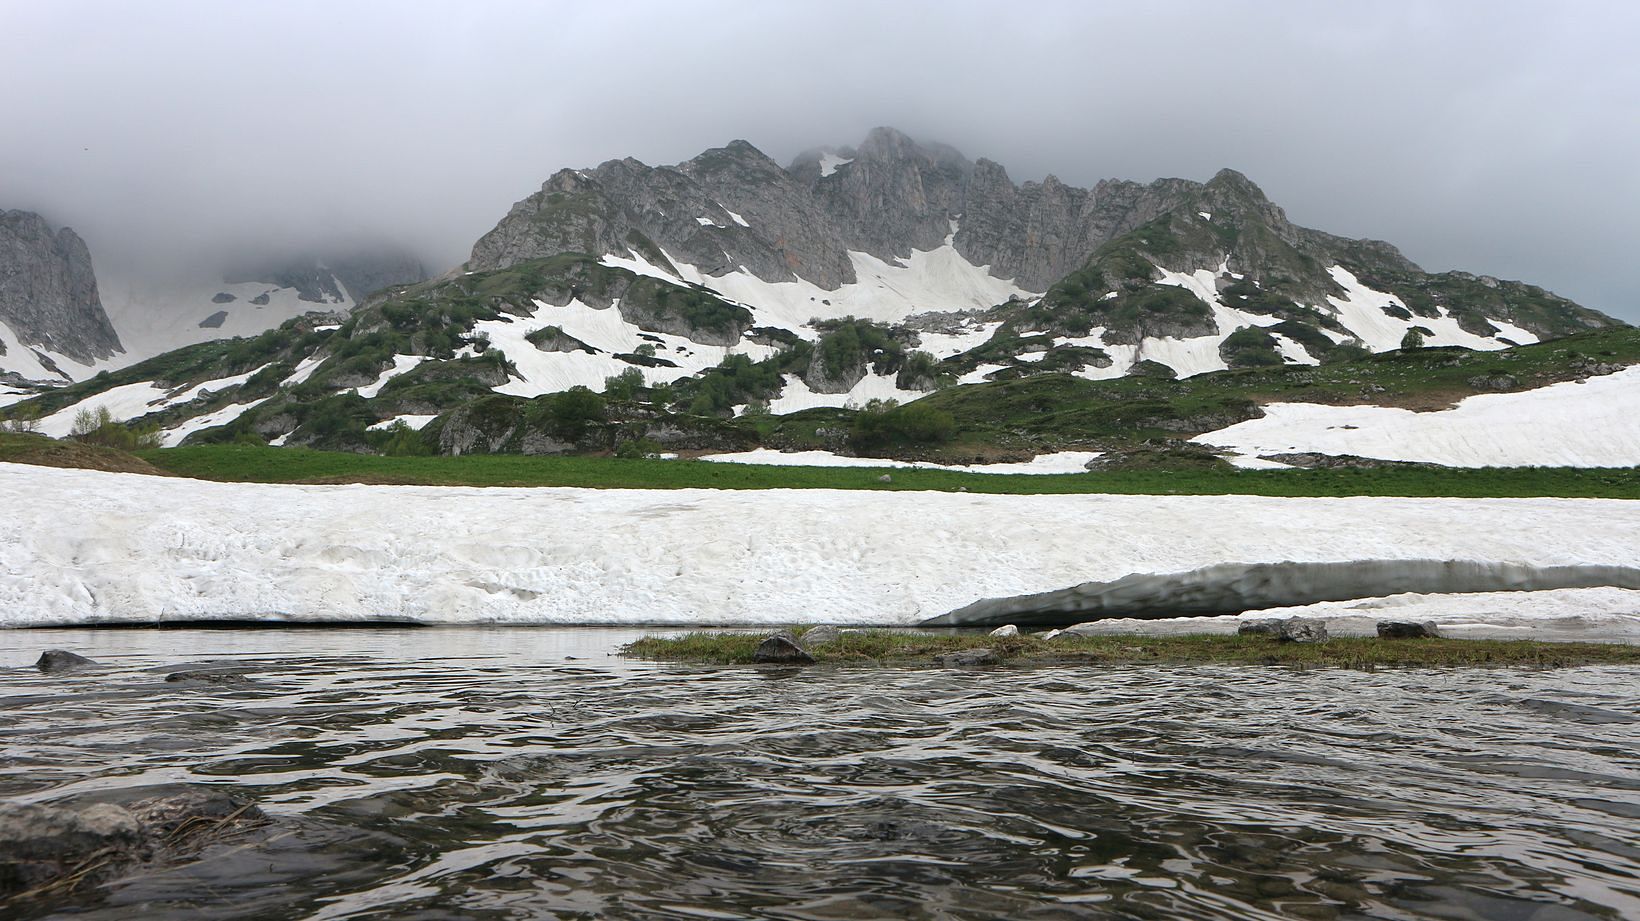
x=48 y=292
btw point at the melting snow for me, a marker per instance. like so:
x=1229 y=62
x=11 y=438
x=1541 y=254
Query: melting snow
x=1061 y=462
x=1361 y=312
x=416 y=421
x=1574 y=424
x=401 y=364
x=80 y=545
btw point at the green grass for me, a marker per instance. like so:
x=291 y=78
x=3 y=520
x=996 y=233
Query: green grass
x=889 y=647
x=246 y=463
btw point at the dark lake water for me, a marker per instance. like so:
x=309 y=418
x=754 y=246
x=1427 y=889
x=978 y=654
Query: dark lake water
x=525 y=773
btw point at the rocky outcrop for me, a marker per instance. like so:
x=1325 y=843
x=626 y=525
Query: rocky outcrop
x=48 y=290
x=338 y=278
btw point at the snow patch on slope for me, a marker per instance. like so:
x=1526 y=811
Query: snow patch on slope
x=1361 y=311
x=1043 y=464
x=1590 y=423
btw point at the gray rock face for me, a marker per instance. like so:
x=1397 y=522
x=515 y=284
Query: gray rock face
x=1302 y=630
x=782 y=649
x=1268 y=628
x=1407 y=630
x=48 y=291
x=333 y=278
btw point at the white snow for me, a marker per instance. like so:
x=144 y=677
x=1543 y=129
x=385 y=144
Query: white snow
x=829 y=162
x=707 y=222
x=1060 y=462
x=174 y=436
x=152 y=320
x=416 y=421
x=735 y=217
x=1206 y=215
x=304 y=369
x=1556 y=615
x=401 y=364
x=945 y=345
x=1591 y=423
x=928 y=280
x=25 y=360
x=80 y=545
x=1361 y=312
x=796 y=395
x=605 y=330
x=124 y=403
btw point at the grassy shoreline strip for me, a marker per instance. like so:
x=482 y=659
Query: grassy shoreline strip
x=234 y=463
x=890 y=647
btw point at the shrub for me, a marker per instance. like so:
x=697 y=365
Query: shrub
x=882 y=424
x=1414 y=339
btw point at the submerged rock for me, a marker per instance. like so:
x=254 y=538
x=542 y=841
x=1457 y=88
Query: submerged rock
x=782 y=648
x=821 y=635
x=970 y=658
x=65 y=845
x=1407 y=630
x=61 y=660
x=1006 y=630
x=1302 y=630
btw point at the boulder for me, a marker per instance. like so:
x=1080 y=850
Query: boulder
x=61 y=660
x=1269 y=628
x=885 y=478
x=970 y=658
x=1006 y=630
x=1407 y=630
x=1302 y=630
x=1049 y=634
x=821 y=635
x=782 y=648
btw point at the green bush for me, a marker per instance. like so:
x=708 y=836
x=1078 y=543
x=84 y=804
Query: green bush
x=883 y=424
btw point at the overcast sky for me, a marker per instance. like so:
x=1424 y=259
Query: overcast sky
x=1497 y=137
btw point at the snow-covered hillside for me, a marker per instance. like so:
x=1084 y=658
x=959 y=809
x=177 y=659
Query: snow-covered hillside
x=1582 y=423
x=80 y=546
x=152 y=320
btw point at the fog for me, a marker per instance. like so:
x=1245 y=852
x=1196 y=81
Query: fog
x=1495 y=137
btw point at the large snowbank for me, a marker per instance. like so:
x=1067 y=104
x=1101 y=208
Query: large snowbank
x=79 y=546
x=1590 y=423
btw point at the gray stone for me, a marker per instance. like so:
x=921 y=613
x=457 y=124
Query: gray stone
x=1006 y=630
x=821 y=635
x=61 y=660
x=1302 y=630
x=209 y=677
x=885 y=478
x=1050 y=635
x=782 y=648
x=1407 y=630
x=223 y=297
x=977 y=657
x=1269 y=628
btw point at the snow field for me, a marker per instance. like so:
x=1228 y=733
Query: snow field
x=78 y=546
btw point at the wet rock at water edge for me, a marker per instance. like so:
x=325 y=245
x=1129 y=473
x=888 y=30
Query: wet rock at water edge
x=782 y=648
x=821 y=635
x=1005 y=630
x=61 y=660
x=970 y=658
x=1302 y=630
x=1407 y=630
x=1269 y=628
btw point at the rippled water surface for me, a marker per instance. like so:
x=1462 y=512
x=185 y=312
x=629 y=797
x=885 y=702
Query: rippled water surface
x=473 y=773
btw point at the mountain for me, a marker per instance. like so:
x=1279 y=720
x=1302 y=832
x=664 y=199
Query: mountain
x=714 y=301
x=52 y=323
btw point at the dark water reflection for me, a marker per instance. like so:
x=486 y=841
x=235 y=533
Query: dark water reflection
x=487 y=774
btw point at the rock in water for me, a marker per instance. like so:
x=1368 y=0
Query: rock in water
x=821 y=635
x=1006 y=630
x=782 y=648
x=970 y=658
x=1407 y=630
x=61 y=660
x=1270 y=628
x=1302 y=630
